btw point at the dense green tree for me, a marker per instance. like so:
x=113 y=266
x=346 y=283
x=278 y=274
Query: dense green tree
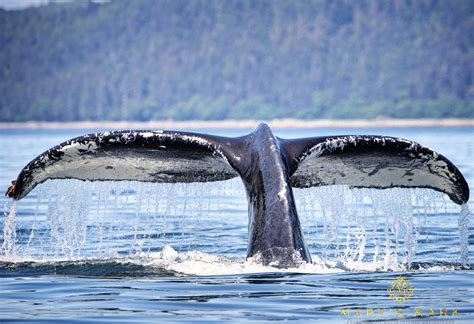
x=205 y=59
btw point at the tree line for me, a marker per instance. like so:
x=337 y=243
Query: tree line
x=237 y=59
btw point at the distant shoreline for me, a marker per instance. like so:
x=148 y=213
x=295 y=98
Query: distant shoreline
x=243 y=124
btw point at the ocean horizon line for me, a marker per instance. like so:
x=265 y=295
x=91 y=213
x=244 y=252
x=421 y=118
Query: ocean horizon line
x=243 y=124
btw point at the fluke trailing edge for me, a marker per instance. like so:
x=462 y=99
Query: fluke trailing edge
x=269 y=167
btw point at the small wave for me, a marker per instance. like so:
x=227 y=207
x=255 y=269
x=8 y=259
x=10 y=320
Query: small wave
x=170 y=262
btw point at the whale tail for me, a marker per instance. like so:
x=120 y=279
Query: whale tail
x=268 y=166
x=167 y=156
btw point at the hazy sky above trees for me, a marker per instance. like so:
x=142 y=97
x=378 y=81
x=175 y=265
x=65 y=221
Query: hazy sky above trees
x=22 y=4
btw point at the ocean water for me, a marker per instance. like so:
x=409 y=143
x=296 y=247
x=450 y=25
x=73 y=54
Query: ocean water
x=75 y=251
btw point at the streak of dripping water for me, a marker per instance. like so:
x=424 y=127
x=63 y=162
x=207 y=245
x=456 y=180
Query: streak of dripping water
x=464 y=234
x=9 y=230
x=33 y=226
x=137 y=242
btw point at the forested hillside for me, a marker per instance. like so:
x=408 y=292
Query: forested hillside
x=192 y=59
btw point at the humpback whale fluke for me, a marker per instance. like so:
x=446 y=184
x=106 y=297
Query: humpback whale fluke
x=268 y=166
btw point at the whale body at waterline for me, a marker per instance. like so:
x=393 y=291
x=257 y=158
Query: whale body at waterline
x=269 y=167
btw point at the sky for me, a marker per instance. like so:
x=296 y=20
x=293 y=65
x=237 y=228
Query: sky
x=22 y=4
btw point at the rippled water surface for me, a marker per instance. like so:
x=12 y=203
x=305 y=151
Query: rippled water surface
x=128 y=251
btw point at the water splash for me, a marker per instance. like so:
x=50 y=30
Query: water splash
x=382 y=229
x=347 y=230
x=74 y=219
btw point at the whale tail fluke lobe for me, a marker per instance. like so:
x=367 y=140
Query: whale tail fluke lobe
x=149 y=156
x=372 y=162
x=268 y=166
